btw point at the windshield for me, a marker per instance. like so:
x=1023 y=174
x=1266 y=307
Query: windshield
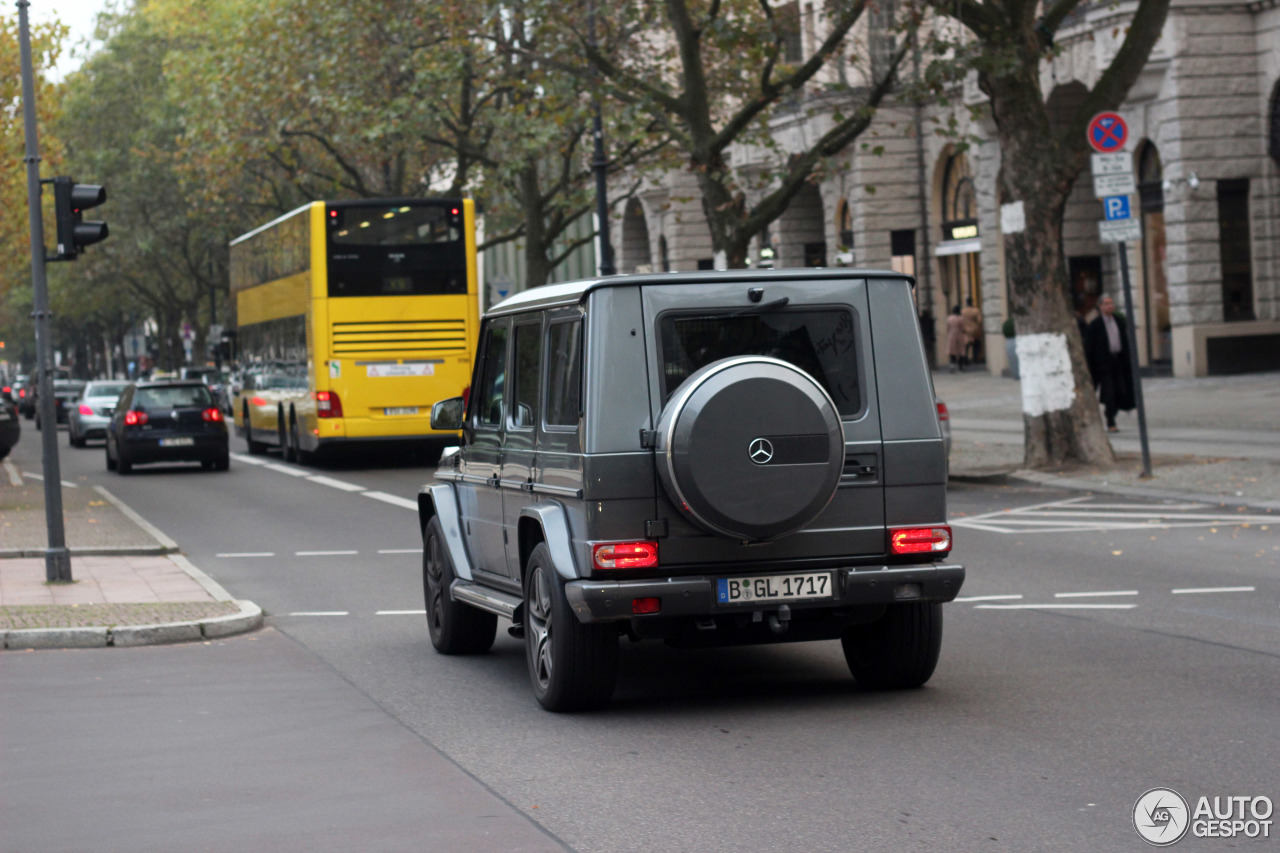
x=175 y=397
x=105 y=389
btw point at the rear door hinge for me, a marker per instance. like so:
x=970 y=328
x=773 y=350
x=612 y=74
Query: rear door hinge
x=655 y=528
x=648 y=438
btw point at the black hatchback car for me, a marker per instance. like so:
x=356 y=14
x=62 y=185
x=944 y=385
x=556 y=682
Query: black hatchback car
x=167 y=421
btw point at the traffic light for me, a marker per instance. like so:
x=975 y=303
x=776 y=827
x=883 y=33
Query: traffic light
x=70 y=202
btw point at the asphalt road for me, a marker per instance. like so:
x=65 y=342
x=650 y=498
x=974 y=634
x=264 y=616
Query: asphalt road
x=1105 y=647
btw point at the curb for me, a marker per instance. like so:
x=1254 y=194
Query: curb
x=1037 y=478
x=249 y=618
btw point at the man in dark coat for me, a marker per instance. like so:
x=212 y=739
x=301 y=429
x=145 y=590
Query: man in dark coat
x=1106 y=347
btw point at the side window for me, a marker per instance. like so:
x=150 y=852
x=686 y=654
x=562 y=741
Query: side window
x=564 y=373
x=524 y=387
x=493 y=368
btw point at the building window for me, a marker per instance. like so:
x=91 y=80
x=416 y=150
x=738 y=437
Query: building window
x=788 y=18
x=1236 y=248
x=1275 y=124
x=902 y=246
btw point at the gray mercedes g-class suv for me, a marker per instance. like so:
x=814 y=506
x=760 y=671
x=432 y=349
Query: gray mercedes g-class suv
x=702 y=458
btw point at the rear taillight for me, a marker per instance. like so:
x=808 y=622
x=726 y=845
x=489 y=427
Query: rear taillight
x=920 y=540
x=22 y=392
x=135 y=418
x=85 y=409
x=626 y=555
x=257 y=401
x=328 y=405
x=943 y=414
x=212 y=416
x=6 y=390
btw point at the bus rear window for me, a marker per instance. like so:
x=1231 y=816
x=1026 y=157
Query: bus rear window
x=400 y=225
x=818 y=341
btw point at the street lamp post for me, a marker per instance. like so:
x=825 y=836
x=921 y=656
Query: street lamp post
x=601 y=165
x=57 y=559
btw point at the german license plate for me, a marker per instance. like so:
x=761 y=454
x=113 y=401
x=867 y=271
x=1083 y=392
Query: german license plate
x=177 y=442
x=401 y=410
x=774 y=588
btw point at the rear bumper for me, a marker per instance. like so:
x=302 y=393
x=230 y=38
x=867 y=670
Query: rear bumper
x=609 y=601
x=205 y=447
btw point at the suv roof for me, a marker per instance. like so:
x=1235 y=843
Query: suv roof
x=569 y=293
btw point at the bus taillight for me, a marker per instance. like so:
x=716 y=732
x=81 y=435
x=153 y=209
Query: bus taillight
x=328 y=405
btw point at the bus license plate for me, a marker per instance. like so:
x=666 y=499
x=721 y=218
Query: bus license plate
x=774 y=588
x=177 y=442
x=401 y=410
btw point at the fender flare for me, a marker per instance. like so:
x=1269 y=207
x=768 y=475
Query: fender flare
x=441 y=500
x=554 y=522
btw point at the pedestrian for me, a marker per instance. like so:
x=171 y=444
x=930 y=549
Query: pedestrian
x=972 y=330
x=1107 y=352
x=957 y=340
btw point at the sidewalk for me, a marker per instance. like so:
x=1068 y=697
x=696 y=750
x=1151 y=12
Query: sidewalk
x=1212 y=439
x=130 y=585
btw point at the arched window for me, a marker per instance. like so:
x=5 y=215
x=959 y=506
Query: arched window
x=959 y=200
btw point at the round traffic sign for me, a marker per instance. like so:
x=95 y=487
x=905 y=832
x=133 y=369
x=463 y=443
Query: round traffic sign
x=1107 y=132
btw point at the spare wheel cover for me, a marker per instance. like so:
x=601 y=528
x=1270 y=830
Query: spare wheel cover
x=751 y=447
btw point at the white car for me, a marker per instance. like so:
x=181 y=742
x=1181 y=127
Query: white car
x=87 y=417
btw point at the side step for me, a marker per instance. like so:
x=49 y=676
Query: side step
x=484 y=598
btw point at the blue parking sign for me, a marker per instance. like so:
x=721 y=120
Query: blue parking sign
x=1116 y=207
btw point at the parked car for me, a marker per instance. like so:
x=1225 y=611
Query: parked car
x=701 y=458
x=88 y=417
x=65 y=394
x=167 y=421
x=10 y=423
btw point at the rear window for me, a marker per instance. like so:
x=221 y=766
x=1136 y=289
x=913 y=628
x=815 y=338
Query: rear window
x=105 y=389
x=818 y=341
x=177 y=397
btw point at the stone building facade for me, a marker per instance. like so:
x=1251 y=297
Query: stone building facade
x=1204 y=135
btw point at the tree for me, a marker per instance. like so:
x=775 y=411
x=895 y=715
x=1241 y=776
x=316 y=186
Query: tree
x=1039 y=165
x=15 y=234
x=167 y=249
x=715 y=73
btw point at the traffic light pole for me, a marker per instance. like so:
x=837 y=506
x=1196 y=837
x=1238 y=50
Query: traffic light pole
x=57 y=559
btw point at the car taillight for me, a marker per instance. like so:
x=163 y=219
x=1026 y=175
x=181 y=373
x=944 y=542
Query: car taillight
x=212 y=416
x=625 y=555
x=22 y=392
x=135 y=418
x=943 y=414
x=6 y=390
x=641 y=606
x=257 y=401
x=328 y=405
x=86 y=409
x=920 y=540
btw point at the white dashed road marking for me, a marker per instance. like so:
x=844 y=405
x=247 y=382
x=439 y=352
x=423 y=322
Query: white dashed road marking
x=990 y=598
x=1192 y=591
x=321 y=613
x=393 y=500
x=1095 y=594
x=288 y=469
x=336 y=484
x=1054 y=606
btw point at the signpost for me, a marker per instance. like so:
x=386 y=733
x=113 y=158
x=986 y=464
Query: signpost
x=1113 y=183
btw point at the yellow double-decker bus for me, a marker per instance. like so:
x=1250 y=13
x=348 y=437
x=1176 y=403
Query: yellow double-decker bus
x=352 y=319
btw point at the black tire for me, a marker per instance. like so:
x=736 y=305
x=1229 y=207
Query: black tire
x=223 y=462
x=455 y=628
x=289 y=440
x=38 y=423
x=4 y=451
x=123 y=465
x=111 y=461
x=897 y=652
x=256 y=448
x=282 y=436
x=572 y=666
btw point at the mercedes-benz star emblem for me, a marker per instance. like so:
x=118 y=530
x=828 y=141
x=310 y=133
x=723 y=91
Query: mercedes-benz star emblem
x=760 y=451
